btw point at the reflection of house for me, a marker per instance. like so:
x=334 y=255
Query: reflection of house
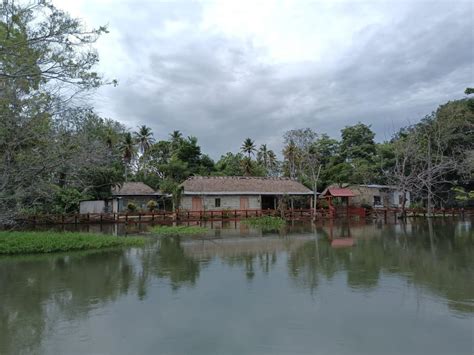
x=379 y=196
x=137 y=193
x=241 y=193
x=238 y=247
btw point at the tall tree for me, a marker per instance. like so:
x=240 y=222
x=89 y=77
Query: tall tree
x=129 y=152
x=45 y=59
x=358 y=142
x=262 y=155
x=248 y=147
x=144 y=138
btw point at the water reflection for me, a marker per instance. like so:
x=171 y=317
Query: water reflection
x=39 y=293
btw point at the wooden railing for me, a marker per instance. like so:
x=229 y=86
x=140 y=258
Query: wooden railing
x=214 y=215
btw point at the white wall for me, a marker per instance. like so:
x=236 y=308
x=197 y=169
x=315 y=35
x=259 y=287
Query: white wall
x=92 y=206
x=396 y=199
x=228 y=202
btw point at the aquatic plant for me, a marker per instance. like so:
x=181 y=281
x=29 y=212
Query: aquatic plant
x=13 y=243
x=265 y=222
x=178 y=230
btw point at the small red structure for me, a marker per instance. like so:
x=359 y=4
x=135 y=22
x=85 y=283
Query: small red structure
x=337 y=192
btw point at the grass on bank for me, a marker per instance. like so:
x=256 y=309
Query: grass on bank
x=178 y=230
x=265 y=222
x=15 y=243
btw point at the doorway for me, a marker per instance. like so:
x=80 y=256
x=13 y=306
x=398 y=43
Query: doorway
x=197 y=204
x=244 y=203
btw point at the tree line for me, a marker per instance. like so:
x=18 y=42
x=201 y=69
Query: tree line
x=55 y=150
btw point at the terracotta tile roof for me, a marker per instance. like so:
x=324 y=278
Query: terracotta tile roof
x=338 y=192
x=134 y=189
x=226 y=185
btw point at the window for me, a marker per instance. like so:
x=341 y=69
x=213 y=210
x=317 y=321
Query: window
x=377 y=201
x=217 y=202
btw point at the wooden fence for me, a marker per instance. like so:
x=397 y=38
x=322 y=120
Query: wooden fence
x=217 y=215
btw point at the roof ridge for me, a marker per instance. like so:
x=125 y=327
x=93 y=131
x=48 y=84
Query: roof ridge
x=240 y=177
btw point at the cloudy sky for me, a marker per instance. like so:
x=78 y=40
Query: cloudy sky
x=227 y=70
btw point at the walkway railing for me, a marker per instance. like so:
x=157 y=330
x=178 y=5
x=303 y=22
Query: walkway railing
x=216 y=215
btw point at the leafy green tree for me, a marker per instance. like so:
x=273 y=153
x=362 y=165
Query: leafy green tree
x=230 y=165
x=358 y=142
x=45 y=59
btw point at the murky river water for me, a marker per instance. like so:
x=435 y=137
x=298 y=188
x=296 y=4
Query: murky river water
x=329 y=289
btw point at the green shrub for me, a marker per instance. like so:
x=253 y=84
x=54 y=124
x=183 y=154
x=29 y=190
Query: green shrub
x=323 y=203
x=151 y=205
x=51 y=242
x=131 y=207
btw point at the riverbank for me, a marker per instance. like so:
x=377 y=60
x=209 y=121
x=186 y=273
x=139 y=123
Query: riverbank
x=16 y=243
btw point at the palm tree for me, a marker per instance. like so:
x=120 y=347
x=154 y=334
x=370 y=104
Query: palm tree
x=128 y=150
x=144 y=138
x=272 y=162
x=248 y=147
x=247 y=166
x=290 y=152
x=175 y=137
x=262 y=156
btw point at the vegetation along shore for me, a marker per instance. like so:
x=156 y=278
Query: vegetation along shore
x=15 y=243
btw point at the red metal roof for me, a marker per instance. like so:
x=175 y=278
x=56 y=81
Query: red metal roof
x=339 y=192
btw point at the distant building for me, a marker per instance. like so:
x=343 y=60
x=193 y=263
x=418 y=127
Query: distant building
x=137 y=193
x=377 y=196
x=240 y=192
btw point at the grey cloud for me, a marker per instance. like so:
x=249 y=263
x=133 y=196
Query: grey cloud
x=221 y=89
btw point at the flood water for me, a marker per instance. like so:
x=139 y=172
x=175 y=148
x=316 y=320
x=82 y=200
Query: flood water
x=326 y=289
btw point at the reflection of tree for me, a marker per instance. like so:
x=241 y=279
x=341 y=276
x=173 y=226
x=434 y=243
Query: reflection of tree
x=399 y=251
x=172 y=263
x=37 y=291
x=72 y=284
x=247 y=260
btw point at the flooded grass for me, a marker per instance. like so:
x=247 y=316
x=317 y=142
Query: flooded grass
x=16 y=243
x=178 y=230
x=265 y=222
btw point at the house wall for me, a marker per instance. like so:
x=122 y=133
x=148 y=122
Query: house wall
x=396 y=199
x=97 y=206
x=228 y=202
x=365 y=195
x=139 y=201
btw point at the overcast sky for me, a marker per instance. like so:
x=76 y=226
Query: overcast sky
x=227 y=70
